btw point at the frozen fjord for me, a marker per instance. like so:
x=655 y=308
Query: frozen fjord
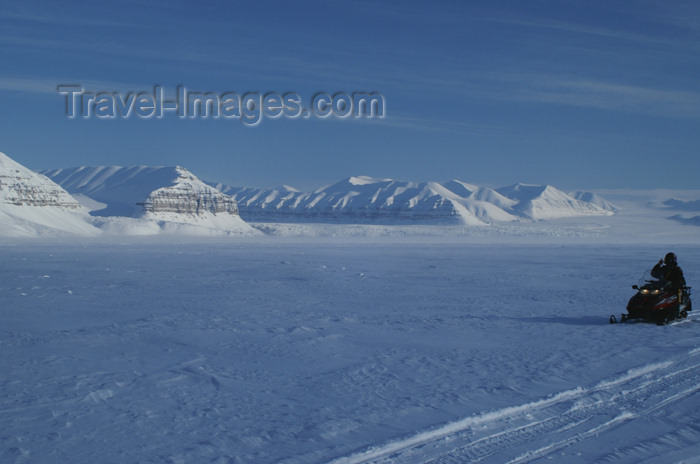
x=295 y=352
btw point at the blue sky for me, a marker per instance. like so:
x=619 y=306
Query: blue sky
x=577 y=94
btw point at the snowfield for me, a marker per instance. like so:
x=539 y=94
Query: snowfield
x=317 y=350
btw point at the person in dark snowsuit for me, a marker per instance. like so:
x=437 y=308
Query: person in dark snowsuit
x=668 y=271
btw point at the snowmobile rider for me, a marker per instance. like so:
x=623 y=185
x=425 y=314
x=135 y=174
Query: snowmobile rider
x=668 y=272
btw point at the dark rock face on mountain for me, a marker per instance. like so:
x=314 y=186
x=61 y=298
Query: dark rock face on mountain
x=189 y=196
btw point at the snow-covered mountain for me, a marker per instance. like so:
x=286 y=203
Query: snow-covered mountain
x=363 y=199
x=686 y=208
x=32 y=205
x=547 y=202
x=167 y=195
x=20 y=186
x=154 y=191
x=358 y=200
x=133 y=191
x=682 y=205
x=590 y=197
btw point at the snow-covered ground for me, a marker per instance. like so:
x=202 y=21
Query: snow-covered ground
x=315 y=350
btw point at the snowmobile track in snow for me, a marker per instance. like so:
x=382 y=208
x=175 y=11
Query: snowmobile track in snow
x=516 y=434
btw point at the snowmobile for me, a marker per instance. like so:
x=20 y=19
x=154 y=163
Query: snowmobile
x=656 y=301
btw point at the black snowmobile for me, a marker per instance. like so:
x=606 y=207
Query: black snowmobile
x=656 y=301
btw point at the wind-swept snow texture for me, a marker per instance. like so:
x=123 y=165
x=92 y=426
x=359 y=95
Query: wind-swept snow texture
x=273 y=351
x=363 y=199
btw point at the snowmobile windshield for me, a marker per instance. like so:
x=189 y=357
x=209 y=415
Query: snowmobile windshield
x=647 y=278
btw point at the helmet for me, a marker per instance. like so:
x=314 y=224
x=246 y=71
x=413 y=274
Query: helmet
x=670 y=258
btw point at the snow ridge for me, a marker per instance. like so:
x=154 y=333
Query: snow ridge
x=562 y=420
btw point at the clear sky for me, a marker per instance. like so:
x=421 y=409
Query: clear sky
x=577 y=94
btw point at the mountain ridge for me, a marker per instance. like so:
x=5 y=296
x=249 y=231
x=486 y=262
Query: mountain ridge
x=170 y=199
x=358 y=199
